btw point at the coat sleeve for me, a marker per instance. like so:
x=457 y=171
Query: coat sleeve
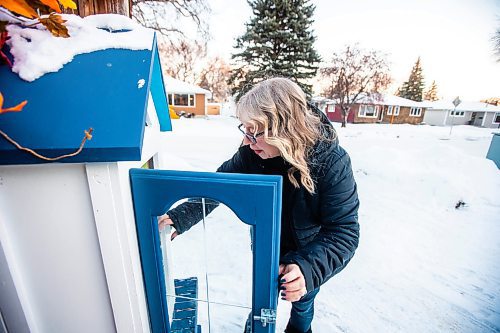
x=334 y=245
x=189 y=213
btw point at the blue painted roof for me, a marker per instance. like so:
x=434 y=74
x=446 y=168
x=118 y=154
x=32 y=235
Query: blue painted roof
x=98 y=90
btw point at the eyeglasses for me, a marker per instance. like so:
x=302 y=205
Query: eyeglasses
x=251 y=137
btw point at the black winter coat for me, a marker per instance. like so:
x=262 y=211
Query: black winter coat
x=320 y=231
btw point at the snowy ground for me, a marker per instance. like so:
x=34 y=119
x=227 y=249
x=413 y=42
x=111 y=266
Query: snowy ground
x=422 y=265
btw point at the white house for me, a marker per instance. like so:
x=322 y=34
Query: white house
x=444 y=113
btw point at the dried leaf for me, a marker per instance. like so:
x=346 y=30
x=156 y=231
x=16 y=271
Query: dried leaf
x=68 y=4
x=3 y=39
x=19 y=7
x=55 y=24
x=53 y=4
x=16 y=108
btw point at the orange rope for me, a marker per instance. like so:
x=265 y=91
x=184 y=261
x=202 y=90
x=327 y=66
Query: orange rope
x=88 y=136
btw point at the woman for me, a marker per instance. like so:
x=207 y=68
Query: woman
x=319 y=220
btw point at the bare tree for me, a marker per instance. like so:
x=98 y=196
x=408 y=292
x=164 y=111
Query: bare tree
x=182 y=59
x=496 y=42
x=167 y=16
x=214 y=77
x=354 y=74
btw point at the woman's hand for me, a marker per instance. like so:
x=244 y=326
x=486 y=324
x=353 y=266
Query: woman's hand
x=164 y=221
x=293 y=284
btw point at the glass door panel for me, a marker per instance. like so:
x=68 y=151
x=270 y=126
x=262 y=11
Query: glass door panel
x=215 y=253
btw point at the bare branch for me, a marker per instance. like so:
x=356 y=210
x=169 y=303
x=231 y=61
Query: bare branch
x=214 y=78
x=182 y=59
x=167 y=17
x=354 y=74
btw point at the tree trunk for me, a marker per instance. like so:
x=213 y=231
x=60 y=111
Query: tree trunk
x=345 y=113
x=91 y=7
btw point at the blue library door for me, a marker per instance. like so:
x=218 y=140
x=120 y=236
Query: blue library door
x=255 y=199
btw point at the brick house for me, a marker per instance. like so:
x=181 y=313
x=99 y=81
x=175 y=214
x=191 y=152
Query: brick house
x=386 y=109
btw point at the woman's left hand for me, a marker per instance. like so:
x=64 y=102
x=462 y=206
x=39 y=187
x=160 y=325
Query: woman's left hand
x=163 y=221
x=292 y=283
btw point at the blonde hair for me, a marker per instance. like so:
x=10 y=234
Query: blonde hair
x=278 y=107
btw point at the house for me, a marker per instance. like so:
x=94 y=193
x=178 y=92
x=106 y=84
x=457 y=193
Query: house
x=187 y=97
x=444 y=113
x=398 y=110
x=324 y=104
x=384 y=109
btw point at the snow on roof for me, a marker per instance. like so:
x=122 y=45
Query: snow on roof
x=36 y=52
x=180 y=87
x=396 y=100
x=447 y=105
x=320 y=99
x=391 y=100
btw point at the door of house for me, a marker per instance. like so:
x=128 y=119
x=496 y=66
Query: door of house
x=473 y=118
x=478 y=119
x=255 y=200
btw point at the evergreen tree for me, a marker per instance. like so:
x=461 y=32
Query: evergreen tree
x=413 y=88
x=278 y=42
x=431 y=94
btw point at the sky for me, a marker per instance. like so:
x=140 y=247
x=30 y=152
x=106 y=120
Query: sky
x=452 y=37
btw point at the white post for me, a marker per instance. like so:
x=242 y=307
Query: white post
x=456 y=102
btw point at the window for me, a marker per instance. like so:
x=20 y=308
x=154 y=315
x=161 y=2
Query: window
x=368 y=111
x=415 y=112
x=181 y=99
x=393 y=108
x=457 y=113
x=496 y=118
x=330 y=108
